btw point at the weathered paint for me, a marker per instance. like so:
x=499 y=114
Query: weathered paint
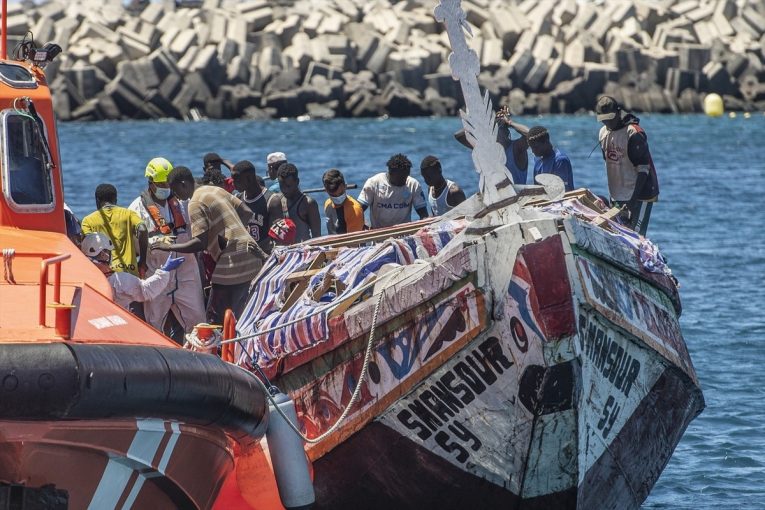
x=546 y=419
x=637 y=307
x=400 y=359
x=109 y=464
x=616 y=374
x=474 y=435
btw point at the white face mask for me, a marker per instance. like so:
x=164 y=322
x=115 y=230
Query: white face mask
x=339 y=200
x=162 y=193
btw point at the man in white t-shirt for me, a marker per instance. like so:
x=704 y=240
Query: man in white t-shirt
x=390 y=195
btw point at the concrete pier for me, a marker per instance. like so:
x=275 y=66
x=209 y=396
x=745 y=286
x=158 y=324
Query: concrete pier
x=327 y=58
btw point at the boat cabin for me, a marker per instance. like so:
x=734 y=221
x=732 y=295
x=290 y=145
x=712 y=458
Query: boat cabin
x=32 y=189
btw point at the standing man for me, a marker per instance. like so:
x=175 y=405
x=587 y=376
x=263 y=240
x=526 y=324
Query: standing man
x=632 y=180
x=549 y=160
x=390 y=195
x=213 y=174
x=516 y=155
x=255 y=196
x=123 y=227
x=443 y=194
x=344 y=214
x=293 y=204
x=164 y=218
x=273 y=162
x=217 y=226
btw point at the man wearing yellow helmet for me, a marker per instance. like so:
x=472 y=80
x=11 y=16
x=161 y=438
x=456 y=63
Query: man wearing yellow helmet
x=166 y=218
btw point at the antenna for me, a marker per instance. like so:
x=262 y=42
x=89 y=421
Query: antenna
x=4 y=45
x=478 y=118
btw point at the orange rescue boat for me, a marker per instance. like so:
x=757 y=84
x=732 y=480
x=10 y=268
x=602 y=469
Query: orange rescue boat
x=97 y=408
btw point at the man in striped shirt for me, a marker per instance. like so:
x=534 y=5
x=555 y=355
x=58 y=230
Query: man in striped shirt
x=218 y=222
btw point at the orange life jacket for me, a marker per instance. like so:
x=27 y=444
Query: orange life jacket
x=177 y=225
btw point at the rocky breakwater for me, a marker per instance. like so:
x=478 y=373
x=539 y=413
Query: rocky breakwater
x=325 y=58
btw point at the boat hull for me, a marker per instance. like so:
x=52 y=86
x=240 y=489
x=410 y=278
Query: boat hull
x=388 y=469
x=140 y=463
x=122 y=426
x=558 y=381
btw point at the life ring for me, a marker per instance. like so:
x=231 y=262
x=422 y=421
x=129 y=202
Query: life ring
x=229 y=332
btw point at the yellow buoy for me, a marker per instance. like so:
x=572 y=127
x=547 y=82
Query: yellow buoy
x=713 y=105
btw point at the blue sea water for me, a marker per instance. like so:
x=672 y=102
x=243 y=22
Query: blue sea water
x=708 y=222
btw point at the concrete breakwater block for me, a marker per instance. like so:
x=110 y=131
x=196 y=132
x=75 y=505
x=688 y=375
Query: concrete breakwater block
x=357 y=58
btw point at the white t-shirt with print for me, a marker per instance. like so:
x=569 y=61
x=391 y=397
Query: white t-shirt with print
x=391 y=205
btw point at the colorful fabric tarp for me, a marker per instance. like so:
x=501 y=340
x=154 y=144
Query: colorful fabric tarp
x=650 y=256
x=304 y=324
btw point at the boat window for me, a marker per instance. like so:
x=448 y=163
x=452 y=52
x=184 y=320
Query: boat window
x=27 y=180
x=17 y=76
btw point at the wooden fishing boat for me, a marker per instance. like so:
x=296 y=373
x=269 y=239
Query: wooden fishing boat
x=97 y=409
x=522 y=351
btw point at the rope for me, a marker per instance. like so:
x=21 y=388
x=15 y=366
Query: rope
x=197 y=344
x=19 y=111
x=364 y=368
x=8 y=254
x=356 y=391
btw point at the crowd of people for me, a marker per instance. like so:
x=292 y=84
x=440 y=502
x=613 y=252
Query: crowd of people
x=225 y=226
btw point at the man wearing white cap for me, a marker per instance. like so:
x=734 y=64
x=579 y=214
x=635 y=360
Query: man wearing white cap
x=632 y=181
x=273 y=162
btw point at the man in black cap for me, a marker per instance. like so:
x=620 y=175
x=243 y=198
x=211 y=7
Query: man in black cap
x=632 y=181
x=213 y=174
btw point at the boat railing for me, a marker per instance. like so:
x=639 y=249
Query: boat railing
x=371 y=236
x=48 y=260
x=54 y=261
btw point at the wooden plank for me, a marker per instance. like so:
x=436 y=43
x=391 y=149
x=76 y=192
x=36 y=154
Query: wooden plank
x=326 y=284
x=299 y=275
x=372 y=236
x=346 y=303
x=608 y=215
x=585 y=196
x=302 y=285
x=365 y=236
